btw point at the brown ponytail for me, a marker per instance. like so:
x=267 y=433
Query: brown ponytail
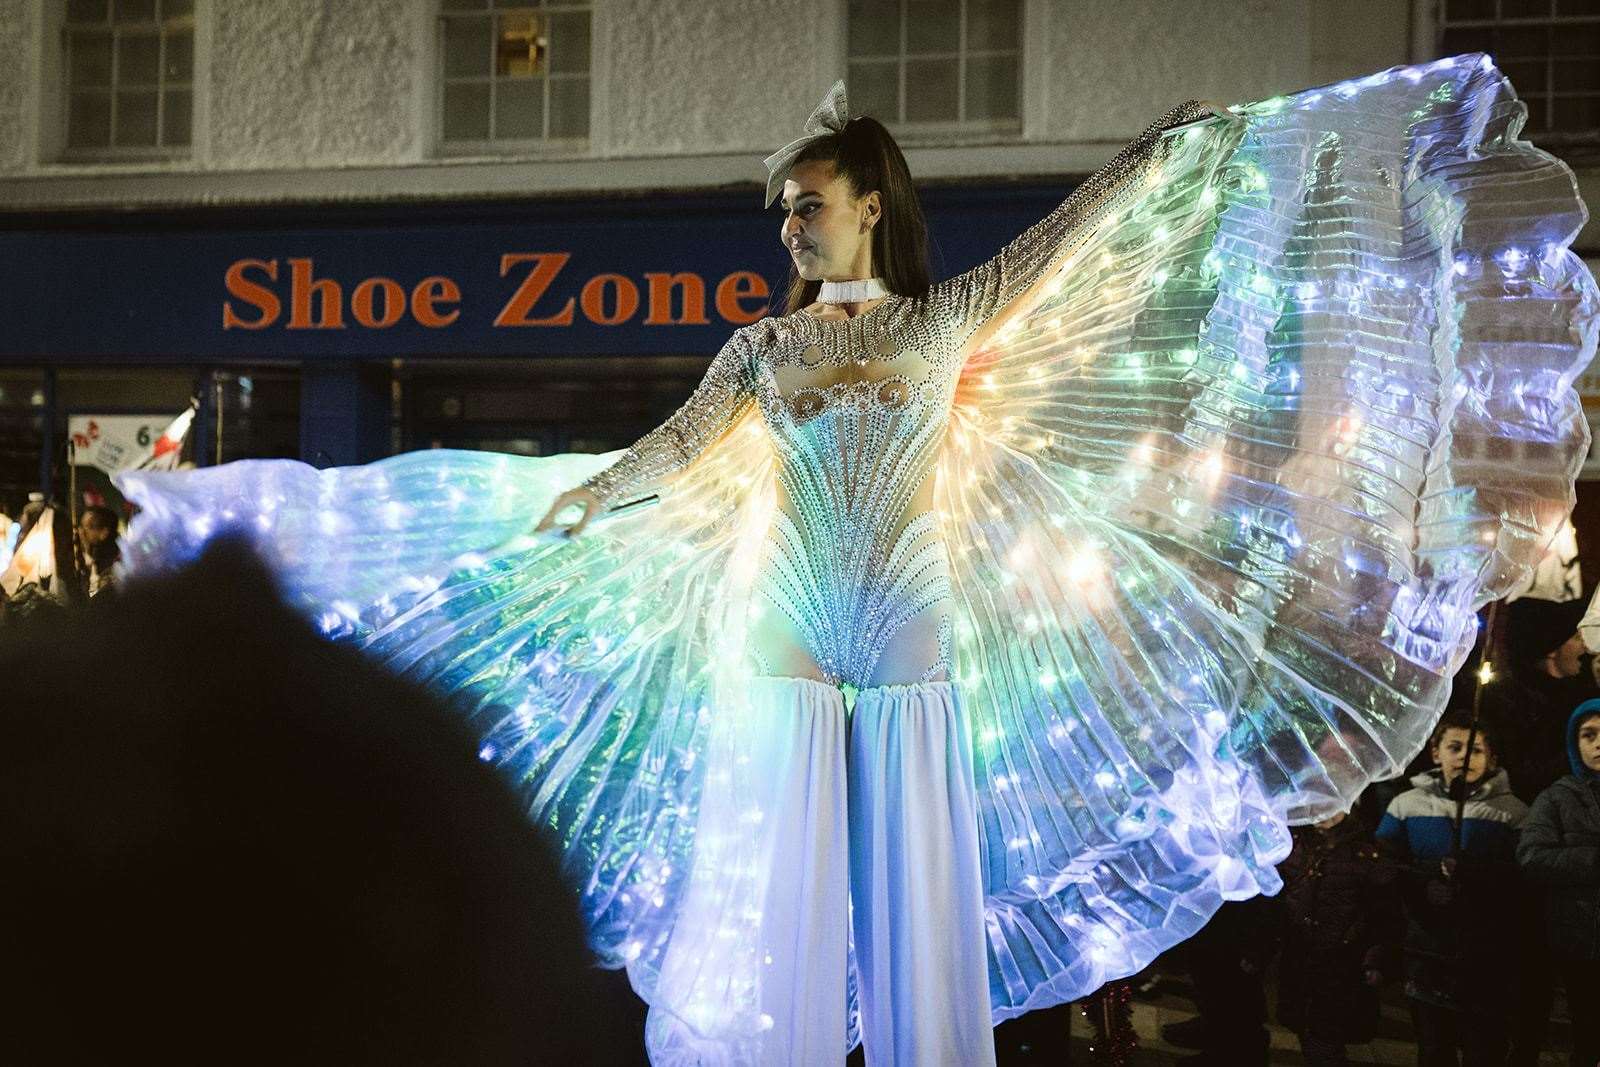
x=864 y=153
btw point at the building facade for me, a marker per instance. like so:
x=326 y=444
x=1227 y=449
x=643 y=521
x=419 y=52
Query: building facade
x=351 y=228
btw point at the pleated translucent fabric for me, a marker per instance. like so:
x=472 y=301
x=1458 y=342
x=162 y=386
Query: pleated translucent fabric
x=1221 y=494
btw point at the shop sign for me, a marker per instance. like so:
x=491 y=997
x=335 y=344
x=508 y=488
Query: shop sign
x=113 y=443
x=262 y=295
x=663 y=274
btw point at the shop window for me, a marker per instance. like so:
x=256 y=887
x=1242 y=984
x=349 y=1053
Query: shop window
x=933 y=66
x=23 y=419
x=544 y=406
x=513 y=76
x=128 y=69
x=1550 y=49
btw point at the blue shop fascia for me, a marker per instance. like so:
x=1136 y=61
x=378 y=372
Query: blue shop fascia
x=340 y=333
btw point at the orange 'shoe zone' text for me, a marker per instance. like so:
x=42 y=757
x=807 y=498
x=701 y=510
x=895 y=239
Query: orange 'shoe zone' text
x=256 y=298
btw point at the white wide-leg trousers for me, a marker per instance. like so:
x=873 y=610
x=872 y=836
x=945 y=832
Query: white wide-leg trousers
x=876 y=810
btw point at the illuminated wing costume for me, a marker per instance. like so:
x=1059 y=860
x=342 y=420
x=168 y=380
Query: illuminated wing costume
x=1227 y=451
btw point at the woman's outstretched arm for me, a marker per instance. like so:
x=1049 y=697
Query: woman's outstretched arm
x=715 y=405
x=979 y=296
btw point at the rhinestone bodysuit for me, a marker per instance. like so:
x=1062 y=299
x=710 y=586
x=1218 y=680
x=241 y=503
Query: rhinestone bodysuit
x=857 y=410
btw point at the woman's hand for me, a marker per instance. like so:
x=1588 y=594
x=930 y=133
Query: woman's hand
x=584 y=498
x=1219 y=110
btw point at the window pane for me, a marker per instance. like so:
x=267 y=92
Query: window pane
x=91 y=58
x=1526 y=77
x=874 y=27
x=466 y=48
x=1468 y=39
x=569 y=43
x=993 y=25
x=178 y=65
x=89 y=120
x=992 y=87
x=520 y=48
x=177 y=121
x=464 y=5
x=874 y=89
x=932 y=26
x=1577 y=75
x=519 y=109
x=86 y=10
x=569 y=107
x=173 y=9
x=136 y=119
x=1536 y=114
x=137 y=58
x=1522 y=42
x=1581 y=39
x=1578 y=7
x=1469 y=9
x=930 y=90
x=1577 y=113
x=133 y=10
x=466 y=112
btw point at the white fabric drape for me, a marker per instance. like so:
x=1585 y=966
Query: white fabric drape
x=845 y=822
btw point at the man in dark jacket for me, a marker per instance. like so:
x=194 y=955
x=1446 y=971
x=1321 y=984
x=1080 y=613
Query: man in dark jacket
x=1560 y=849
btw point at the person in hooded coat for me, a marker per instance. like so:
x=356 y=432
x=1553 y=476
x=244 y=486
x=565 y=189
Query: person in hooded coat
x=1560 y=850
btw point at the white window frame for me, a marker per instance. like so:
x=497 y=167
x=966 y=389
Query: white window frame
x=961 y=130
x=539 y=146
x=56 y=141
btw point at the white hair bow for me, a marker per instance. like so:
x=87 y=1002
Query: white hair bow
x=829 y=118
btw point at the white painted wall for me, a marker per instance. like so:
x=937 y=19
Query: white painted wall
x=318 y=100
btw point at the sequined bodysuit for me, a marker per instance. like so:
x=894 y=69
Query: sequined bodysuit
x=854 y=562
x=854 y=573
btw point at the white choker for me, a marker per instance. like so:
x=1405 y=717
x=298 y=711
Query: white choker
x=856 y=292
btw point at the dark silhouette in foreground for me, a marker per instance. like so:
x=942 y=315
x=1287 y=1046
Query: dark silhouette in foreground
x=228 y=841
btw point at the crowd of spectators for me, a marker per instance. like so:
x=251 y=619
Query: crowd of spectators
x=1471 y=886
x=51 y=558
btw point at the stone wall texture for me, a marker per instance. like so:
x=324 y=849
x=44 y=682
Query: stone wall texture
x=1116 y=67
x=289 y=88
x=18 y=83
x=313 y=83
x=714 y=76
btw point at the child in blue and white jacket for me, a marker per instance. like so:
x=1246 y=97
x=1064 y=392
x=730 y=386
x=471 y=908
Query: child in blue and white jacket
x=1459 y=944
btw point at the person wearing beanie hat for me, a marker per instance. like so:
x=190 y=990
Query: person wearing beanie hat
x=1530 y=701
x=1560 y=849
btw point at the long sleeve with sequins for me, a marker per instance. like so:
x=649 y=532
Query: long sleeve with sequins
x=981 y=293
x=715 y=405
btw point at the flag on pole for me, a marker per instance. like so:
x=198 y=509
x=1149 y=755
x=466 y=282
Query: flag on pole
x=169 y=446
